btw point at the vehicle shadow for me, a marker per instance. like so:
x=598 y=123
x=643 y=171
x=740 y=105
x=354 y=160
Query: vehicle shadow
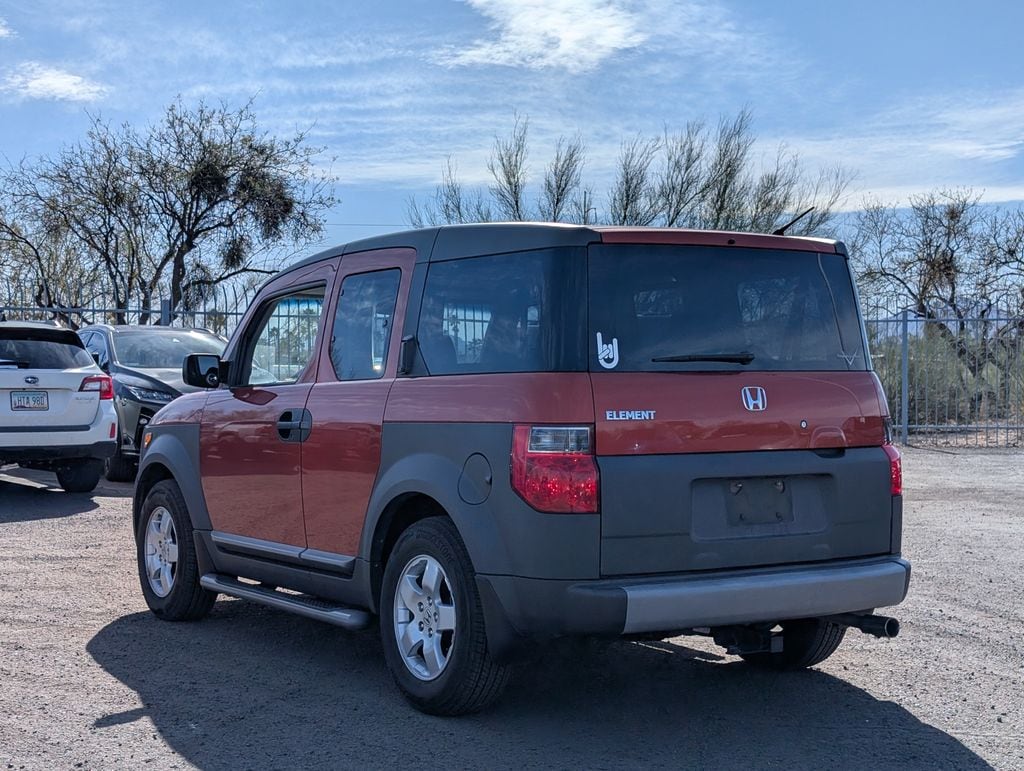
x=20 y=502
x=27 y=496
x=252 y=687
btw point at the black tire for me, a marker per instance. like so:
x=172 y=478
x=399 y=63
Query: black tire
x=80 y=476
x=471 y=679
x=186 y=599
x=805 y=642
x=120 y=467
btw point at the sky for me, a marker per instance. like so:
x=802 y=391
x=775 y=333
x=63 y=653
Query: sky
x=909 y=95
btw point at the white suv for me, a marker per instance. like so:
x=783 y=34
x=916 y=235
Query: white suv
x=56 y=405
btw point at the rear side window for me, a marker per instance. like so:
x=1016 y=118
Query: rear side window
x=362 y=324
x=680 y=308
x=521 y=312
x=42 y=349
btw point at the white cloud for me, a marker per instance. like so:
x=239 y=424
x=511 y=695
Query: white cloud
x=5 y=31
x=574 y=35
x=32 y=80
x=961 y=140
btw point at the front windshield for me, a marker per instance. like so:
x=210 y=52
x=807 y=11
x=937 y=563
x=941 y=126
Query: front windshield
x=162 y=349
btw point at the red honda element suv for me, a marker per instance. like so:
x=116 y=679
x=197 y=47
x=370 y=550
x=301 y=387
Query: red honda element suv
x=489 y=436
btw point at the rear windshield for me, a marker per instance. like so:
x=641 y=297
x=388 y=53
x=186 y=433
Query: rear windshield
x=41 y=349
x=161 y=349
x=689 y=308
x=505 y=313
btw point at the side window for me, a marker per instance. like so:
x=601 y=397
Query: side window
x=95 y=344
x=285 y=340
x=504 y=313
x=362 y=324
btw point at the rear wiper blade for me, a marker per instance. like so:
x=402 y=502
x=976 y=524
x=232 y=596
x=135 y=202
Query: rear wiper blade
x=744 y=357
x=14 y=363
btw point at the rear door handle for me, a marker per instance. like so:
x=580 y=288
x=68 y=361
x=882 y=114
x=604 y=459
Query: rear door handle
x=294 y=425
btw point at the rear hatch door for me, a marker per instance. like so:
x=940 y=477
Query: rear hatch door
x=738 y=423
x=41 y=374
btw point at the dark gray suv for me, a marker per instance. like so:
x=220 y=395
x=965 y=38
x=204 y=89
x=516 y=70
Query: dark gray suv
x=145 y=364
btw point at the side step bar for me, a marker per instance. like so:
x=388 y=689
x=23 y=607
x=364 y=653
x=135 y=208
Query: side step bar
x=302 y=605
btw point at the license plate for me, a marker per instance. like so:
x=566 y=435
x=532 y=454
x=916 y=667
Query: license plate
x=30 y=400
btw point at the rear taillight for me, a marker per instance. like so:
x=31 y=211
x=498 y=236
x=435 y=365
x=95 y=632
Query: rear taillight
x=101 y=383
x=895 y=469
x=553 y=468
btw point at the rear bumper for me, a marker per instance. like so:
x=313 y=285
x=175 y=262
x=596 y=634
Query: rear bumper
x=57 y=453
x=523 y=608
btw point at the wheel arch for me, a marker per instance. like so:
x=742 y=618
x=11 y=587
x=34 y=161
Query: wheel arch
x=399 y=515
x=173 y=454
x=155 y=472
x=421 y=486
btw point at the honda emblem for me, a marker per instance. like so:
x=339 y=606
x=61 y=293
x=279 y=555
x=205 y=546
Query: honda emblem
x=754 y=398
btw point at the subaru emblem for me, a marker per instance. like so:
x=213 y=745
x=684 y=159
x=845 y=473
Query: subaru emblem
x=31 y=379
x=754 y=398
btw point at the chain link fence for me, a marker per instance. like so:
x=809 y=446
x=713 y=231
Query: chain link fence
x=950 y=381
x=220 y=313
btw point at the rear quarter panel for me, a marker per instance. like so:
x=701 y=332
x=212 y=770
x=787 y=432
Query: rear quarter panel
x=451 y=438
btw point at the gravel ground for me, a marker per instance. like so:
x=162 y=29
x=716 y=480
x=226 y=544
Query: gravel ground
x=89 y=679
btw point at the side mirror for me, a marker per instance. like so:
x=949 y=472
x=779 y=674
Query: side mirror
x=202 y=370
x=96 y=358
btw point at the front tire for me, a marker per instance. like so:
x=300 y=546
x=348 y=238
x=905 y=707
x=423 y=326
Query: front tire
x=432 y=625
x=805 y=642
x=166 y=554
x=81 y=476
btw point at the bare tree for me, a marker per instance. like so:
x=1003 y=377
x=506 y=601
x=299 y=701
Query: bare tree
x=1003 y=244
x=947 y=259
x=52 y=254
x=825 y=192
x=220 y=193
x=724 y=202
x=562 y=179
x=450 y=204
x=200 y=198
x=42 y=269
x=682 y=181
x=955 y=264
x=697 y=177
x=633 y=199
x=507 y=165
x=926 y=255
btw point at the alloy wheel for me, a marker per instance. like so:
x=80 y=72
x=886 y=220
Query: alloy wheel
x=161 y=551
x=424 y=617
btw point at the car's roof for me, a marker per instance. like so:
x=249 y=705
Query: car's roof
x=35 y=330
x=26 y=324
x=454 y=241
x=154 y=328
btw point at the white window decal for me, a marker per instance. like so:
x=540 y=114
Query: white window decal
x=608 y=355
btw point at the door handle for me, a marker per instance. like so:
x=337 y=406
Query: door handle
x=294 y=425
